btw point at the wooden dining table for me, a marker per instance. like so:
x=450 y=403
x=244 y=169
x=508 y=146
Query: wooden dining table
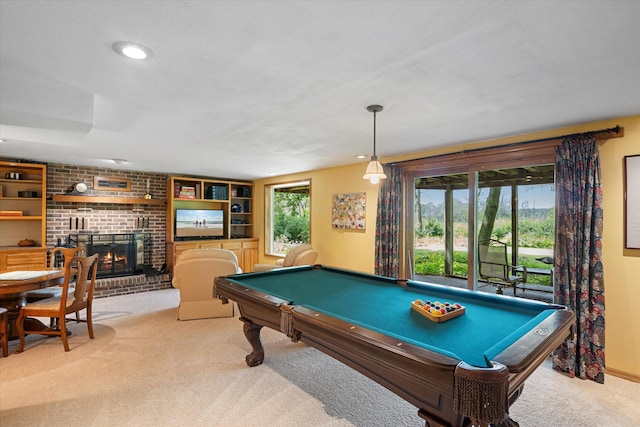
x=14 y=286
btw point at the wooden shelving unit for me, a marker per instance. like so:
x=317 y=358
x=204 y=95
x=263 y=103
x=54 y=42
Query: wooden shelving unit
x=25 y=217
x=234 y=198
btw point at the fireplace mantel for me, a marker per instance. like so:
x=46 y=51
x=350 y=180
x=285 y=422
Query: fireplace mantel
x=114 y=200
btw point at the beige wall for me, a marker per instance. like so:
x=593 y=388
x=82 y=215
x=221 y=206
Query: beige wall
x=355 y=250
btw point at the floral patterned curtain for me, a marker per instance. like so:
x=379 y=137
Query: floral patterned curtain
x=578 y=270
x=388 y=217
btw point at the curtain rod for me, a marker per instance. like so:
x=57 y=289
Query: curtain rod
x=599 y=134
x=617 y=132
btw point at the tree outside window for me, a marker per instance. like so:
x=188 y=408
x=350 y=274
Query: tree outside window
x=288 y=222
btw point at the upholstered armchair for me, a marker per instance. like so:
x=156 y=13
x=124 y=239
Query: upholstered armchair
x=194 y=275
x=298 y=255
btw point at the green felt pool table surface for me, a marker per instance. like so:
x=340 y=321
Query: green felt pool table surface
x=490 y=324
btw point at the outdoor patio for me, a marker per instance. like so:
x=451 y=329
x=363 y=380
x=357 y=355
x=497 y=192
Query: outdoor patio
x=528 y=291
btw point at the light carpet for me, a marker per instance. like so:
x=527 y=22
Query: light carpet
x=145 y=368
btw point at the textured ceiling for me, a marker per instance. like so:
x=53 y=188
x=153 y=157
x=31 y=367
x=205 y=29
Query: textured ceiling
x=247 y=89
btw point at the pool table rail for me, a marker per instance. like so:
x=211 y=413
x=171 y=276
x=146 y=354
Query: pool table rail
x=549 y=333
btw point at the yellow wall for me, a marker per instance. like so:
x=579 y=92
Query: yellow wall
x=621 y=266
x=355 y=250
x=347 y=249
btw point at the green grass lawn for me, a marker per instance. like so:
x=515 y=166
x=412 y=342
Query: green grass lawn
x=432 y=262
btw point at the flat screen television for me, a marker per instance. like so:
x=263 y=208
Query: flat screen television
x=199 y=223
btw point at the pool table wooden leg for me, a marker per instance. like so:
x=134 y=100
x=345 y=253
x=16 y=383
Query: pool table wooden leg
x=252 y=332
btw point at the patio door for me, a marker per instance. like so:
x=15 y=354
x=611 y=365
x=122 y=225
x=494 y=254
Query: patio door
x=454 y=200
x=516 y=206
x=441 y=226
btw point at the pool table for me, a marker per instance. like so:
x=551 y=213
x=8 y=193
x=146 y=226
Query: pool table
x=466 y=370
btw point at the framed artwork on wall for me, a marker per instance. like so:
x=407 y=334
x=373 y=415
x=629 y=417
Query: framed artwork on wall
x=349 y=211
x=111 y=184
x=632 y=202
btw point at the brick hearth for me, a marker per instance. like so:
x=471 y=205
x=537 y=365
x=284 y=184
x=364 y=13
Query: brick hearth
x=112 y=286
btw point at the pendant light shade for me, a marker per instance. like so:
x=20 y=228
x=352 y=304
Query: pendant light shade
x=375 y=171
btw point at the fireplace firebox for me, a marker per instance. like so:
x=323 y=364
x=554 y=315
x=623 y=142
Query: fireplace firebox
x=119 y=254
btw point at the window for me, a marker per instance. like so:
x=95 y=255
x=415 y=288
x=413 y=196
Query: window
x=505 y=193
x=288 y=208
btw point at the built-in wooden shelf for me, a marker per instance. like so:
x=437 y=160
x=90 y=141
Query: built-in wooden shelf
x=24 y=217
x=21 y=181
x=20 y=217
x=98 y=199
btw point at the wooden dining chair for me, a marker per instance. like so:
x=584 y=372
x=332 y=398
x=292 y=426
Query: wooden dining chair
x=58 y=259
x=68 y=302
x=4 y=338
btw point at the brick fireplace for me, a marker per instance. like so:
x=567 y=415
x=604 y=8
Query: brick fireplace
x=71 y=224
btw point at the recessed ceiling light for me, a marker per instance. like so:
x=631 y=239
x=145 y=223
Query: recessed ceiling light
x=132 y=50
x=360 y=156
x=119 y=161
x=2 y=140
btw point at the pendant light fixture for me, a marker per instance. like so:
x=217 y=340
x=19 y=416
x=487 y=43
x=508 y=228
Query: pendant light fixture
x=374 y=172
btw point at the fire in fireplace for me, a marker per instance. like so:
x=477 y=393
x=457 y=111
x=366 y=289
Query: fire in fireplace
x=119 y=254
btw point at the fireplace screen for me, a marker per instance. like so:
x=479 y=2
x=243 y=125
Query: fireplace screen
x=118 y=254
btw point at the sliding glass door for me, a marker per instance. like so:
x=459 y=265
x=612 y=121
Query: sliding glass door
x=441 y=227
x=516 y=210
x=452 y=204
